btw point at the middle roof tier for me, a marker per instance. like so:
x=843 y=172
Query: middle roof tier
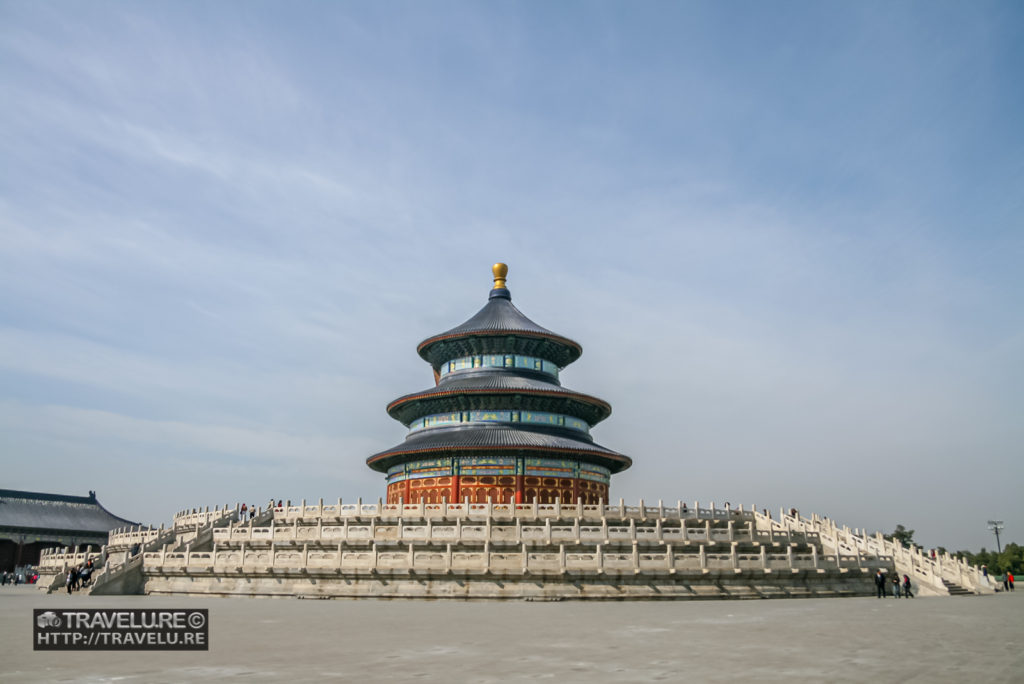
x=490 y=390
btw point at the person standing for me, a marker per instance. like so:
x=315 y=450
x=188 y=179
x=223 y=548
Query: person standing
x=896 y=585
x=880 y=583
x=906 y=586
x=1009 y=578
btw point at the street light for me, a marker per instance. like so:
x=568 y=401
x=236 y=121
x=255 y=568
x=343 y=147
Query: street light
x=996 y=526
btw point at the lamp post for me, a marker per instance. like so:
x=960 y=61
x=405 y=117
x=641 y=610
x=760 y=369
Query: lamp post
x=996 y=526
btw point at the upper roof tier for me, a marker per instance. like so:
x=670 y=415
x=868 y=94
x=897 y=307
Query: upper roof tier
x=499 y=328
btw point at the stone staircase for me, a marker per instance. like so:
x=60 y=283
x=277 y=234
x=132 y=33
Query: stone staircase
x=932 y=576
x=955 y=589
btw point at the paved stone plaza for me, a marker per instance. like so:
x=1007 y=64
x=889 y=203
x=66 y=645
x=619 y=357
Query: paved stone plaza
x=968 y=639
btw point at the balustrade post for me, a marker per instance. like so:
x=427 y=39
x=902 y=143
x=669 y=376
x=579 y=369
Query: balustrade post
x=764 y=558
x=730 y=531
x=670 y=558
x=643 y=510
x=632 y=529
x=703 y=557
x=636 y=558
x=733 y=557
x=814 y=556
x=561 y=558
x=661 y=509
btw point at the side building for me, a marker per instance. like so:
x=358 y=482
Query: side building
x=498 y=426
x=33 y=521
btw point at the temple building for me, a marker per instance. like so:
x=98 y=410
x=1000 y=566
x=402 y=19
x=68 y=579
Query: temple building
x=498 y=425
x=32 y=521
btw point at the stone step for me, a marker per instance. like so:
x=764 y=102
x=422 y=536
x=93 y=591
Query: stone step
x=956 y=590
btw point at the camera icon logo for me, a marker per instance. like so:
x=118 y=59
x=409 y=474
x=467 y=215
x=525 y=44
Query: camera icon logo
x=48 y=619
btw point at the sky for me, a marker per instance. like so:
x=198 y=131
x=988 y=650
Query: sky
x=788 y=236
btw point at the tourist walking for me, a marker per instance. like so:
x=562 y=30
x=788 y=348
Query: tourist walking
x=1009 y=578
x=896 y=585
x=67 y=580
x=906 y=586
x=880 y=583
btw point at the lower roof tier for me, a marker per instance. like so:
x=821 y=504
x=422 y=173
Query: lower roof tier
x=495 y=439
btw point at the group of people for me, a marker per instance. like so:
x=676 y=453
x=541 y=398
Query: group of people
x=1007 y=578
x=12 y=578
x=248 y=511
x=882 y=581
x=78 y=576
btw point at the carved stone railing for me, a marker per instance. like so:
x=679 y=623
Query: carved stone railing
x=526 y=559
x=513 y=531
x=509 y=511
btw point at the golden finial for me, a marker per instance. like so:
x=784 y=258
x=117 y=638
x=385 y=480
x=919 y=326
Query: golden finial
x=500 y=270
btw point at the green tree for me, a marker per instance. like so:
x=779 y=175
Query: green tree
x=903 y=536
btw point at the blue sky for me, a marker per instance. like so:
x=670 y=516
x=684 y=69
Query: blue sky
x=788 y=236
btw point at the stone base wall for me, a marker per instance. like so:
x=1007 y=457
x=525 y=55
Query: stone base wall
x=581 y=587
